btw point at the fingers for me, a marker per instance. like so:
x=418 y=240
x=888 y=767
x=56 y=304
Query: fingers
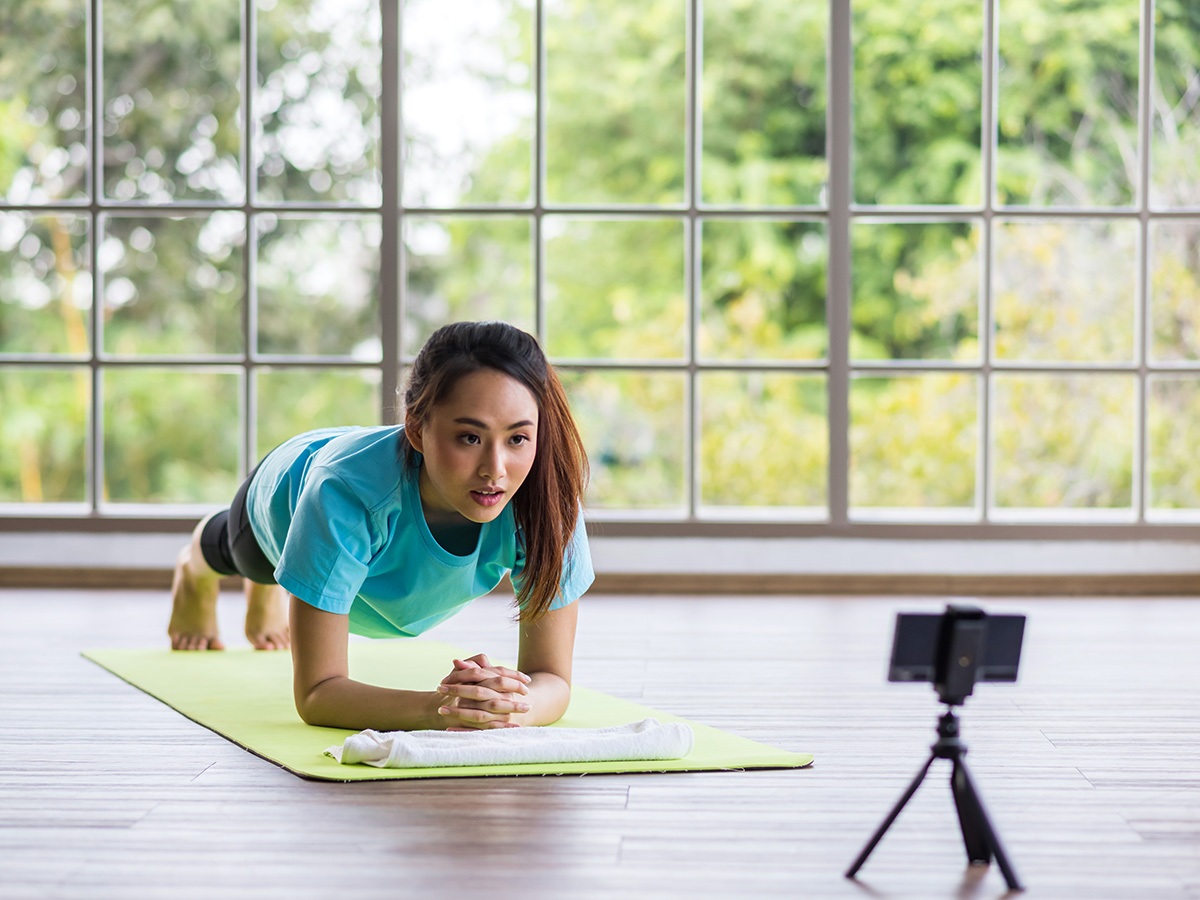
x=466 y=716
x=512 y=674
x=485 y=727
x=477 y=697
x=496 y=677
x=495 y=684
x=480 y=661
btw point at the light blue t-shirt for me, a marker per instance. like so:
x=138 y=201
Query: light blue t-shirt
x=339 y=514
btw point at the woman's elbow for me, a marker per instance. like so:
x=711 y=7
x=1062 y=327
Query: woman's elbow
x=555 y=700
x=309 y=705
x=306 y=710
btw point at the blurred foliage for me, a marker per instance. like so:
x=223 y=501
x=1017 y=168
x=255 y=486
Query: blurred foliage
x=294 y=400
x=497 y=249
x=1175 y=289
x=615 y=101
x=1064 y=290
x=1067 y=118
x=45 y=284
x=186 y=302
x=762 y=292
x=43 y=101
x=931 y=309
x=476 y=58
x=1175 y=112
x=917 y=82
x=1063 y=441
x=172 y=92
x=1173 y=430
x=43 y=434
x=914 y=441
x=317 y=102
x=318 y=285
x=170 y=435
x=764 y=440
x=763 y=100
x=607 y=297
x=633 y=426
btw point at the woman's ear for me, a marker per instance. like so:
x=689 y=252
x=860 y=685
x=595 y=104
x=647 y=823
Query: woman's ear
x=412 y=431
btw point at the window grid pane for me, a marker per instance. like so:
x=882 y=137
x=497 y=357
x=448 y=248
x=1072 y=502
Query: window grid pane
x=171 y=101
x=1151 y=341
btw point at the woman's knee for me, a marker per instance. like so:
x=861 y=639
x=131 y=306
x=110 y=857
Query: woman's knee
x=200 y=562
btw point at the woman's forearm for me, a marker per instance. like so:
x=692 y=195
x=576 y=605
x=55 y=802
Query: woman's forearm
x=340 y=702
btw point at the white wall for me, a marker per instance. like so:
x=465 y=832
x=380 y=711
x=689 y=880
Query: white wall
x=701 y=555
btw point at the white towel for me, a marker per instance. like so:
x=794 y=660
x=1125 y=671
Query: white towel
x=647 y=739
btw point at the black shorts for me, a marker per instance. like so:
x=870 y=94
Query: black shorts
x=228 y=543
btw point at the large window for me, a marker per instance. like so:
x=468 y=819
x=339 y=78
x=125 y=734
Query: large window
x=895 y=267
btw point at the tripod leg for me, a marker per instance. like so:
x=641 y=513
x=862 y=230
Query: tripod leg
x=978 y=833
x=887 y=823
x=979 y=849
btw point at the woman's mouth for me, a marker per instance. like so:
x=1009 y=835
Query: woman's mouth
x=487 y=498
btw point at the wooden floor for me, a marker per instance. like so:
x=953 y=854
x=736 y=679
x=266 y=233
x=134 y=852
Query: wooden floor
x=1090 y=766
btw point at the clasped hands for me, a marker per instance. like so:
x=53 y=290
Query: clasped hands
x=480 y=695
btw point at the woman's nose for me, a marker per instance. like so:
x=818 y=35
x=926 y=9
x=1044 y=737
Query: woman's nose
x=492 y=467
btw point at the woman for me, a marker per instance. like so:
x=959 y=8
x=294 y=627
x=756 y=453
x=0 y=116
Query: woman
x=388 y=531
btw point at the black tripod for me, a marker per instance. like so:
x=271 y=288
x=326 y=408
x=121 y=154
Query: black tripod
x=980 y=837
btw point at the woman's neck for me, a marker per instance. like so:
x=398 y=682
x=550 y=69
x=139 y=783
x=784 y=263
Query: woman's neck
x=455 y=534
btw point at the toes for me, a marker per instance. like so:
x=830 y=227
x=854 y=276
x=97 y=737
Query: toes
x=195 y=642
x=270 y=641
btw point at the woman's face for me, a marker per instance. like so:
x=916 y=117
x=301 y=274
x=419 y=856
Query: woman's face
x=478 y=446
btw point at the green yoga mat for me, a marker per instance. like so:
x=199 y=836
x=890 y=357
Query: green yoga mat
x=246 y=696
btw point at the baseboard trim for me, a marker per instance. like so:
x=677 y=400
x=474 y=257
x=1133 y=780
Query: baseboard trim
x=1073 y=585
x=95 y=578
x=1185 y=584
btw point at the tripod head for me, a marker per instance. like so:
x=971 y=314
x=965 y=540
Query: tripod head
x=955 y=649
x=960 y=646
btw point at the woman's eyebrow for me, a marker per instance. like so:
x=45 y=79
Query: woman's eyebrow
x=475 y=423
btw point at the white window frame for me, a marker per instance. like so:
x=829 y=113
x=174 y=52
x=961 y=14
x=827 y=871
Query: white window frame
x=840 y=520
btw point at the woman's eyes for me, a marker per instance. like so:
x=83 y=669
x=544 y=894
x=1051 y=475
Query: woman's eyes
x=473 y=439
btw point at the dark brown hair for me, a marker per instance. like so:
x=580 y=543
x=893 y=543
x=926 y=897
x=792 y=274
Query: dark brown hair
x=546 y=507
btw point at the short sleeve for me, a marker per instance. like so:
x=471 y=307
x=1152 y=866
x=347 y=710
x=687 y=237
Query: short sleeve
x=577 y=575
x=329 y=545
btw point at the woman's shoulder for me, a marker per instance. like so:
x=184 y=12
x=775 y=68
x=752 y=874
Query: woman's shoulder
x=348 y=442
x=369 y=461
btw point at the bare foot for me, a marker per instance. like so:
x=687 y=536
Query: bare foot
x=193 y=624
x=266 y=617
